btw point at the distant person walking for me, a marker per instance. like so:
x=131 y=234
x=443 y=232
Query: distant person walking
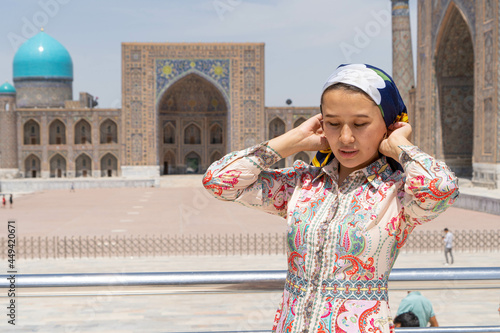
x=3 y=201
x=448 y=245
x=420 y=306
x=72 y=189
x=11 y=200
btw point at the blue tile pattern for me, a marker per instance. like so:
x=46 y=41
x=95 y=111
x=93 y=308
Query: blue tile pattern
x=168 y=70
x=400 y=8
x=356 y=290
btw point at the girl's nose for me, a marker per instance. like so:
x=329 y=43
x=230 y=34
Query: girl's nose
x=346 y=136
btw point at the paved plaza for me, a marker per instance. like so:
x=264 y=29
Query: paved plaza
x=180 y=206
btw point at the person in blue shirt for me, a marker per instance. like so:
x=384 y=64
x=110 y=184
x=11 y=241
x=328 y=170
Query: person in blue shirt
x=420 y=306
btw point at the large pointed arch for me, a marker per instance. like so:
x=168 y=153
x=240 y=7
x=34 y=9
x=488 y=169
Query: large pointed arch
x=189 y=108
x=174 y=82
x=454 y=70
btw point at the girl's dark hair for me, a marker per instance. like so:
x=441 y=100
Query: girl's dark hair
x=347 y=88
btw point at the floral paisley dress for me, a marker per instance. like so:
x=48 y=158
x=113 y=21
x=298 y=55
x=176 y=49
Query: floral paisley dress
x=342 y=239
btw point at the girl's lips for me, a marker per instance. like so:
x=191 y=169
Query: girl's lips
x=348 y=153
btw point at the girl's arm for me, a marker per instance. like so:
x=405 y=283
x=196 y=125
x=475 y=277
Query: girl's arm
x=245 y=176
x=430 y=186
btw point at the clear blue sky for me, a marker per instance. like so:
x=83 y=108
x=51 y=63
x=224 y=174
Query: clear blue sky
x=305 y=39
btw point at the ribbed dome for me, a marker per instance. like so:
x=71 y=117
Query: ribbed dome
x=7 y=88
x=43 y=56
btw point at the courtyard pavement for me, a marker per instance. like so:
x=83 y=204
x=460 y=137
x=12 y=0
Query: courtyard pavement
x=181 y=206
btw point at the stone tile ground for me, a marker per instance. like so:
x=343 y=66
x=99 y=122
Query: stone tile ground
x=187 y=210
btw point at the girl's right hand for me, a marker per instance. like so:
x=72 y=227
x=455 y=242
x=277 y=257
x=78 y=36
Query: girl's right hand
x=312 y=134
x=309 y=136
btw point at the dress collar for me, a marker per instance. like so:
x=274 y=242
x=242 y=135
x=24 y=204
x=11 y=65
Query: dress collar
x=376 y=173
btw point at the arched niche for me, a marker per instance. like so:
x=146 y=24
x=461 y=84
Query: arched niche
x=83 y=166
x=109 y=165
x=32 y=167
x=192 y=162
x=57 y=166
x=216 y=134
x=454 y=67
x=276 y=128
x=169 y=134
x=31 y=133
x=298 y=122
x=192 y=135
x=169 y=165
x=83 y=132
x=108 y=132
x=215 y=156
x=57 y=133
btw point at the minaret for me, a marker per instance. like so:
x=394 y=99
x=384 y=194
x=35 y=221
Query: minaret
x=8 y=130
x=402 y=55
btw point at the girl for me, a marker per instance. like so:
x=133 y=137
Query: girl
x=350 y=212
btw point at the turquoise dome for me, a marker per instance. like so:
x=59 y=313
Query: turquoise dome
x=42 y=56
x=7 y=88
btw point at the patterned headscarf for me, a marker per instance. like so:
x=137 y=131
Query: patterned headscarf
x=382 y=90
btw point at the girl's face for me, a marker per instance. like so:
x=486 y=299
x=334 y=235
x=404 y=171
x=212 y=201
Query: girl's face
x=354 y=127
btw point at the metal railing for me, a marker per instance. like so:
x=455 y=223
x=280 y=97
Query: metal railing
x=454 y=329
x=228 y=244
x=242 y=280
x=261 y=281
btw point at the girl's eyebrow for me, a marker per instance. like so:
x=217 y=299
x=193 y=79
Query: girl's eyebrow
x=336 y=116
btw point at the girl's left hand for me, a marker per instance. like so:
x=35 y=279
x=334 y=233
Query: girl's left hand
x=397 y=134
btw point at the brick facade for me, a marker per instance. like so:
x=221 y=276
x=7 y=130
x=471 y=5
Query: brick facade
x=8 y=137
x=230 y=93
x=186 y=104
x=456 y=102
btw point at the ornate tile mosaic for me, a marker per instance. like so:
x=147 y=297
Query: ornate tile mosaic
x=169 y=69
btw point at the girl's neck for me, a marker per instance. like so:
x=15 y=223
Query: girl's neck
x=343 y=173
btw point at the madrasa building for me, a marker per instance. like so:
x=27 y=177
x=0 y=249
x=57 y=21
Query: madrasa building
x=185 y=105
